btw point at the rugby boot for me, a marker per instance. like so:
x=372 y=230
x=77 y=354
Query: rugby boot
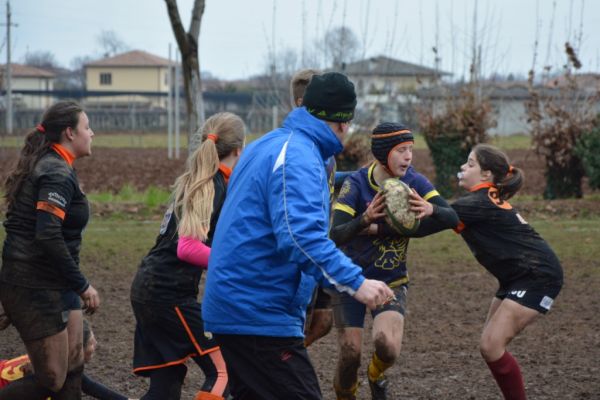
x=379 y=388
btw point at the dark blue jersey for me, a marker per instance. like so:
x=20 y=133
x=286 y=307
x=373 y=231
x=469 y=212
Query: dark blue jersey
x=381 y=257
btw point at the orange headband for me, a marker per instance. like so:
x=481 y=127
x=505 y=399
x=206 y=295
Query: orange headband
x=510 y=169
x=383 y=135
x=212 y=136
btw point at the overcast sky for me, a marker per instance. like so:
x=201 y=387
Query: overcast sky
x=237 y=35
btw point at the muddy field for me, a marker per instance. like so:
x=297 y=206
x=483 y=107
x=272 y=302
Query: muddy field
x=111 y=168
x=559 y=354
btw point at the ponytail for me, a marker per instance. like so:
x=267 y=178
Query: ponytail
x=37 y=142
x=510 y=184
x=507 y=179
x=194 y=190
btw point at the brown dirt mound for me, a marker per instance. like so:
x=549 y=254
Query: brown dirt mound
x=110 y=168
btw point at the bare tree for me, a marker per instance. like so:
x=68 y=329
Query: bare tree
x=341 y=46
x=111 y=43
x=190 y=64
x=41 y=59
x=78 y=67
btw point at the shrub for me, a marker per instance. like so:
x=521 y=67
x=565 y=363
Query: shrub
x=452 y=132
x=588 y=150
x=558 y=120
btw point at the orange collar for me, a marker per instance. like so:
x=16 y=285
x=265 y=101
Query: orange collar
x=481 y=186
x=226 y=171
x=64 y=153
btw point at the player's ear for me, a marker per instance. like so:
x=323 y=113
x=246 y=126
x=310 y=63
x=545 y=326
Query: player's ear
x=487 y=175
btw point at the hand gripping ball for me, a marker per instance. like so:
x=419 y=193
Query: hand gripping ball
x=397 y=207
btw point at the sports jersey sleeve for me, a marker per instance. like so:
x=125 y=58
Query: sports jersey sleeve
x=468 y=212
x=348 y=197
x=193 y=251
x=425 y=188
x=54 y=196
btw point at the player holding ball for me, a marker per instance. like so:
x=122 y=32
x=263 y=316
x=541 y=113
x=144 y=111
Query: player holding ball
x=361 y=231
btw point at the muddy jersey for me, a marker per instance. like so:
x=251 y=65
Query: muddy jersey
x=502 y=241
x=381 y=257
x=162 y=278
x=44 y=227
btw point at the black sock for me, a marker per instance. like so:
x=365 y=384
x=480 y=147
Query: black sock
x=25 y=388
x=165 y=383
x=71 y=389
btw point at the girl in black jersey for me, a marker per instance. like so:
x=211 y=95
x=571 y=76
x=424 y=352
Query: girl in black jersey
x=40 y=280
x=164 y=293
x=528 y=271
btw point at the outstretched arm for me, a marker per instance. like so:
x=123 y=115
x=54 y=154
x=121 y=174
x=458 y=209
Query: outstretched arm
x=98 y=390
x=436 y=214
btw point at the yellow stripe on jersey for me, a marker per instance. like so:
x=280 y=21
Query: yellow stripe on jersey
x=345 y=208
x=431 y=194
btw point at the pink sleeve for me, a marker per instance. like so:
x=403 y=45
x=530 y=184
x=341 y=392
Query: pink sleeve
x=193 y=251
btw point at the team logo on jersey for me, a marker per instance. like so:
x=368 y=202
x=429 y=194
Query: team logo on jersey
x=57 y=198
x=546 y=302
x=393 y=252
x=495 y=198
x=165 y=222
x=519 y=293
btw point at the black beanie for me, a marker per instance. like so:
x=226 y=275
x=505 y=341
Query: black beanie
x=330 y=97
x=386 y=136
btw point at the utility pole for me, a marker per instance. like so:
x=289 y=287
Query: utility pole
x=9 y=113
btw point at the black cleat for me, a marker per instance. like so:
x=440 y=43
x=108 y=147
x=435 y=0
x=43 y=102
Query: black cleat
x=379 y=388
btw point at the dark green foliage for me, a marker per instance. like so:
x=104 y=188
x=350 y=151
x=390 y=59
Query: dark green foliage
x=448 y=155
x=588 y=150
x=452 y=132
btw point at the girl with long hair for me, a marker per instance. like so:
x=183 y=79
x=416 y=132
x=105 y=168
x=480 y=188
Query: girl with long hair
x=40 y=280
x=164 y=293
x=529 y=273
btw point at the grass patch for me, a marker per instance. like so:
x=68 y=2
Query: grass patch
x=121 y=243
x=151 y=197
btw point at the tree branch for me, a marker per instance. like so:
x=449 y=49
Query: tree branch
x=197 y=13
x=177 y=26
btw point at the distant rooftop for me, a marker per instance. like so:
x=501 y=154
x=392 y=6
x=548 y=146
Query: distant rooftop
x=387 y=66
x=134 y=58
x=27 y=71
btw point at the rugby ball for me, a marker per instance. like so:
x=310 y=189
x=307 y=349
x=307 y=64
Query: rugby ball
x=397 y=207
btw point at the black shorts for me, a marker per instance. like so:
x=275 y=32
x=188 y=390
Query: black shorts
x=269 y=368
x=167 y=335
x=349 y=312
x=38 y=313
x=531 y=293
x=322 y=300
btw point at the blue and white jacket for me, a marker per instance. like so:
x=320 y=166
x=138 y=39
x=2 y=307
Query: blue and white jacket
x=271 y=242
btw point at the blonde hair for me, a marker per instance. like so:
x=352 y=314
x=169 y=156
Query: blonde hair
x=194 y=190
x=299 y=82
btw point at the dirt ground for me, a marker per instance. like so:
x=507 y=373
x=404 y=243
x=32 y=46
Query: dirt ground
x=559 y=354
x=111 y=168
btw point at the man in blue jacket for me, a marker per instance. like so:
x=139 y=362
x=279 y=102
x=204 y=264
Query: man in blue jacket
x=271 y=246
